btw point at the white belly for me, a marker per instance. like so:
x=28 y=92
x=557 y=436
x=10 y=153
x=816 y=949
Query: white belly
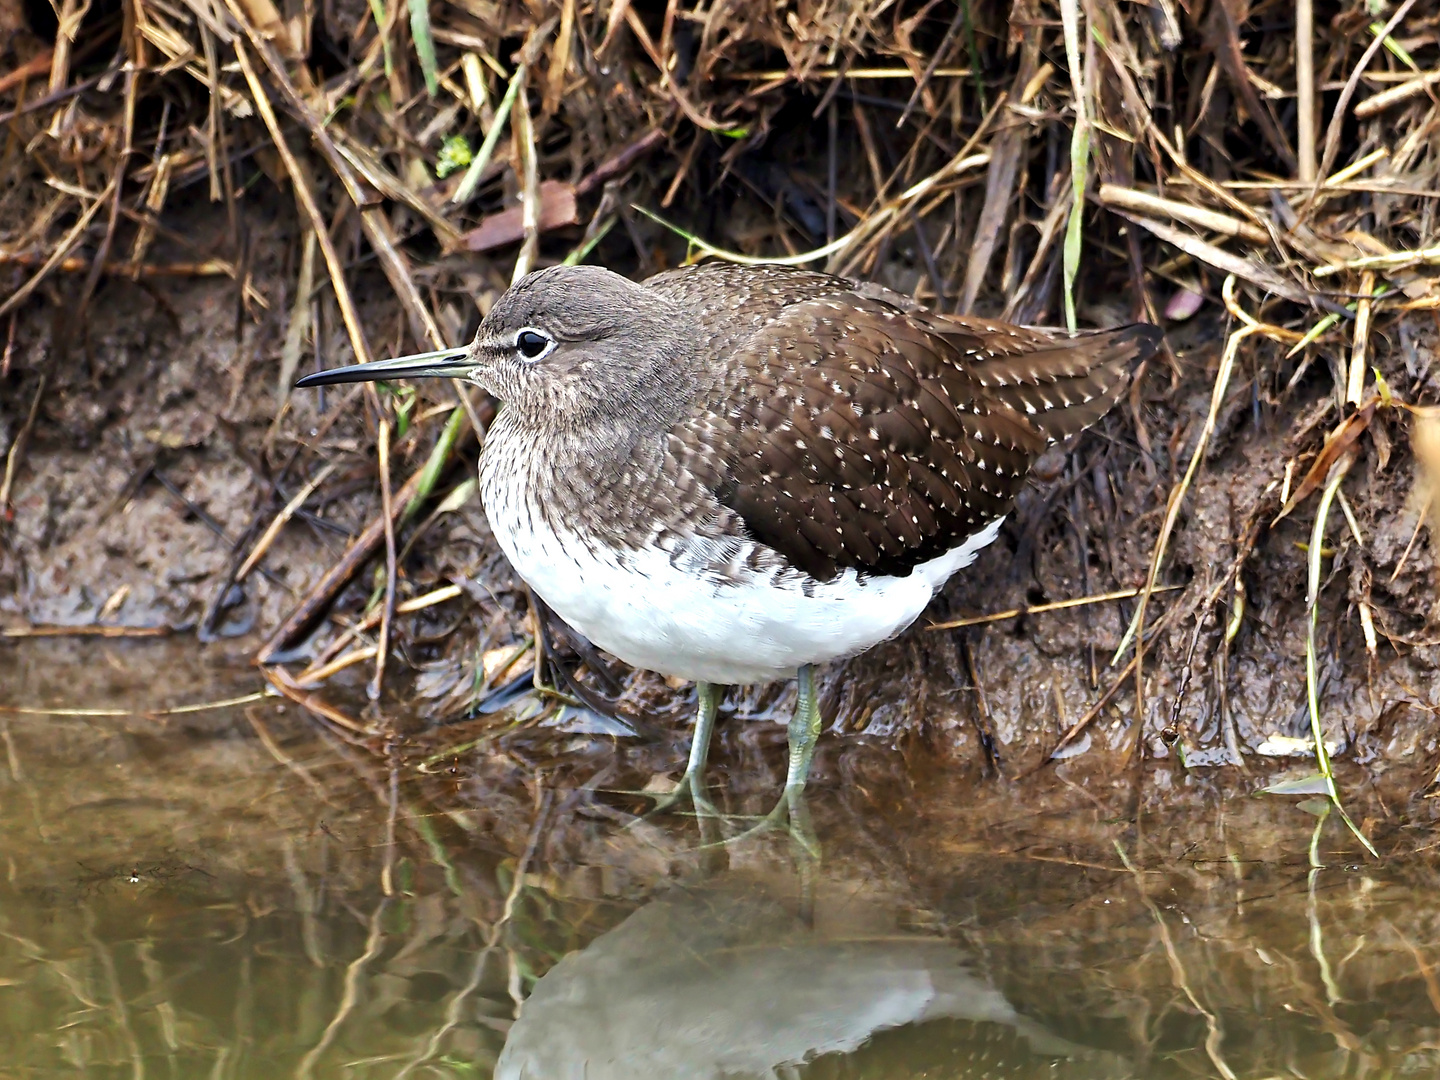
x=721 y=628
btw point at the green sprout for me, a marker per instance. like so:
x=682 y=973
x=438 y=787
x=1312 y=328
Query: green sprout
x=455 y=154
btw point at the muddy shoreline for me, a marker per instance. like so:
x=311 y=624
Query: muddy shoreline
x=146 y=472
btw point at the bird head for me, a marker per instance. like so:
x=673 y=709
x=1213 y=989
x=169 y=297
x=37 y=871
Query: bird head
x=568 y=346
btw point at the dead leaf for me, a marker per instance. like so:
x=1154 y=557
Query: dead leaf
x=1340 y=440
x=557 y=208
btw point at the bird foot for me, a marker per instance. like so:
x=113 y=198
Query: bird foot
x=791 y=815
x=688 y=790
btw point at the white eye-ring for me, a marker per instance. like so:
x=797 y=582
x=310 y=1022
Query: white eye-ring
x=533 y=344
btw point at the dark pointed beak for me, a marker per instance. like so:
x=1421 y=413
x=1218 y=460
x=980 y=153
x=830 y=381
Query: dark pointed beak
x=453 y=363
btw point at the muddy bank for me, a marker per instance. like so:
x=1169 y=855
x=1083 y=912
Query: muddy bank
x=174 y=248
x=156 y=457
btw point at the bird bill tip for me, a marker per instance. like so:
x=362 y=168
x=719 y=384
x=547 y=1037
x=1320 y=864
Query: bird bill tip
x=443 y=363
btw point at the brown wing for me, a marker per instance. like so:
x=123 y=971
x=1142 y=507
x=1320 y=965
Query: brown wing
x=861 y=441
x=1063 y=384
x=876 y=439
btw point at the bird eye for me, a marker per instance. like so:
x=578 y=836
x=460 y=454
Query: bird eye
x=533 y=344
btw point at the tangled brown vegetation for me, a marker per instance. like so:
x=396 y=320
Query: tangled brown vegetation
x=1262 y=178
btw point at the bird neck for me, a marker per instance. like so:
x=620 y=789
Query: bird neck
x=585 y=451
x=604 y=480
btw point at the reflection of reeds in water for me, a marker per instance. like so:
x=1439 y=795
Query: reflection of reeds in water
x=211 y=910
x=1225 y=951
x=1221 y=958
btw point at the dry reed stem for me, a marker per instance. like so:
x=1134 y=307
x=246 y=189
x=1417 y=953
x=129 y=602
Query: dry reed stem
x=387 y=519
x=523 y=134
x=16 y=452
x=1332 y=131
x=84 y=631
x=337 y=576
x=1257 y=273
x=1135 y=632
x=62 y=249
x=1397 y=95
x=306 y=198
x=273 y=529
x=315 y=676
x=1144 y=202
x=1305 y=90
x=1079 y=727
x=319 y=666
x=174 y=710
x=1355 y=384
x=280 y=679
x=1057 y=605
x=1396 y=260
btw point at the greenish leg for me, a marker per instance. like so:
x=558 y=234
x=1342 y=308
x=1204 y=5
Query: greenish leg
x=709 y=698
x=692 y=784
x=804 y=732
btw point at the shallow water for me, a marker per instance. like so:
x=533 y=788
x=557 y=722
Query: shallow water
x=241 y=892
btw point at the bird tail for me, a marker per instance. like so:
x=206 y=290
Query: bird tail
x=1070 y=383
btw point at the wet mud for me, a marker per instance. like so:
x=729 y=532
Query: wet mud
x=163 y=445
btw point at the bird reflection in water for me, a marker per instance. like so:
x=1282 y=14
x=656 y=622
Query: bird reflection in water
x=729 y=981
